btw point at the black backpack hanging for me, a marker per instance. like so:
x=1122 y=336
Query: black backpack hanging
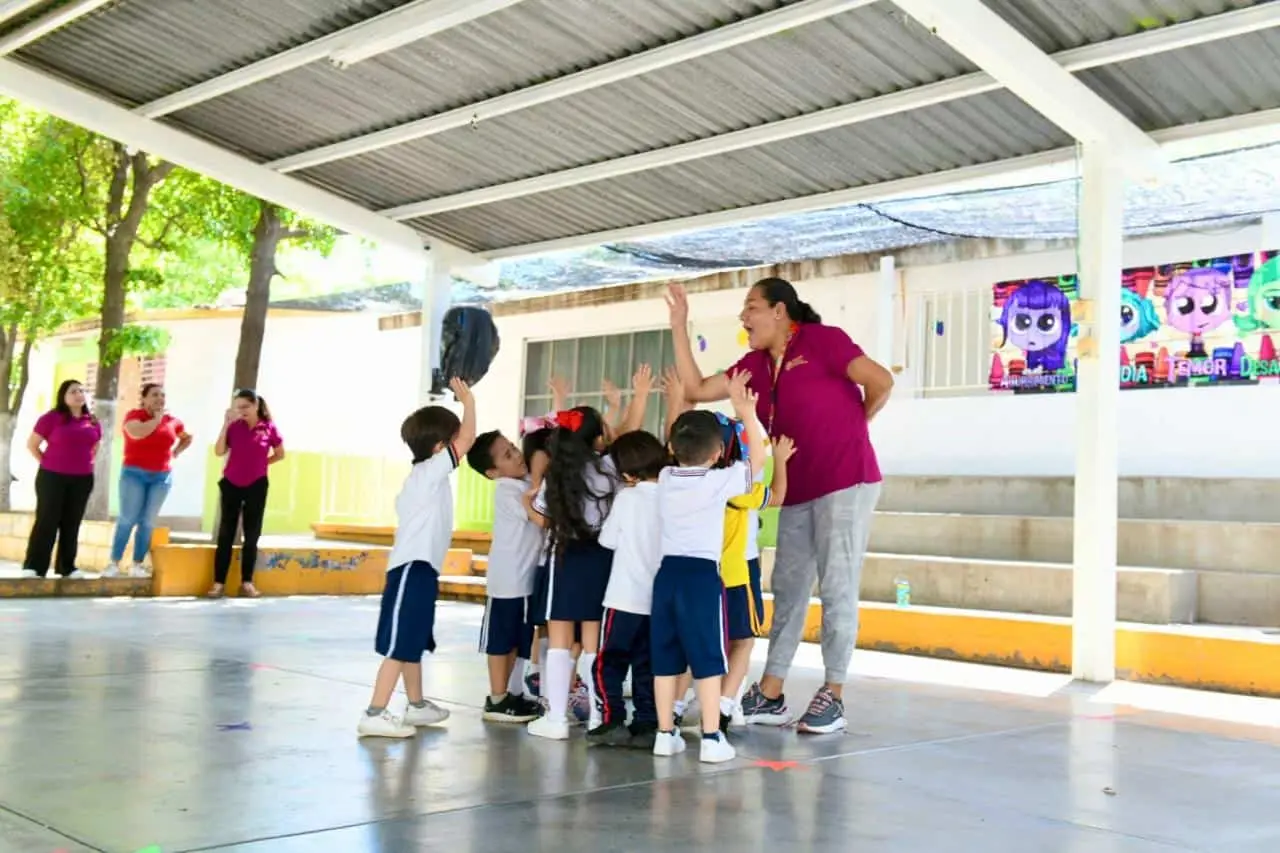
x=468 y=344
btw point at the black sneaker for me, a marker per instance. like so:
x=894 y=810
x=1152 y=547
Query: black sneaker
x=512 y=709
x=643 y=737
x=609 y=734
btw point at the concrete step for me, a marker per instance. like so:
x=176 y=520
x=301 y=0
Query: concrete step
x=1200 y=545
x=1174 y=498
x=1152 y=596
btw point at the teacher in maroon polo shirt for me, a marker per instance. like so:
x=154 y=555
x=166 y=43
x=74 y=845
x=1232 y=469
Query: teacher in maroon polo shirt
x=817 y=386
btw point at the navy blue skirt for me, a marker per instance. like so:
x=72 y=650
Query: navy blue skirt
x=577 y=580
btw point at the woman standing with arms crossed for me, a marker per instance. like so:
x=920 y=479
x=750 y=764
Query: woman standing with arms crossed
x=817 y=386
x=64 y=441
x=250 y=442
x=153 y=438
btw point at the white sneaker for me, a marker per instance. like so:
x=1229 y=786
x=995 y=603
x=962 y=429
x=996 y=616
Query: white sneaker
x=548 y=728
x=78 y=575
x=30 y=574
x=430 y=714
x=667 y=744
x=691 y=719
x=137 y=570
x=112 y=570
x=737 y=718
x=384 y=725
x=716 y=750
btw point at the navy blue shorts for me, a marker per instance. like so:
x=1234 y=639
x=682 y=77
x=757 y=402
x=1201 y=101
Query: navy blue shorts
x=687 y=628
x=578 y=580
x=538 y=600
x=744 y=606
x=506 y=627
x=406 y=623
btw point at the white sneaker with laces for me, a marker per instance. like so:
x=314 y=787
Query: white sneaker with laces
x=716 y=750
x=667 y=744
x=138 y=570
x=737 y=718
x=384 y=725
x=78 y=575
x=430 y=714
x=549 y=728
x=112 y=570
x=30 y=574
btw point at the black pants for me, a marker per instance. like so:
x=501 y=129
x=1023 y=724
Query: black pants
x=625 y=645
x=251 y=502
x=60 y=503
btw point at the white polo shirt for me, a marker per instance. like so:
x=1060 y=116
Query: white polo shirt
x=517 y=543
x=692 y=502
x=602 y=481
x=632 y=532
x=424 y=510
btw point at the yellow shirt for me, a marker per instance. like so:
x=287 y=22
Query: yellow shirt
x=737 y=520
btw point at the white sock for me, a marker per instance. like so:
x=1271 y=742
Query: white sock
x=515 y=684
x=727 y=705
x=586 y=663
x=558 y=673
x=742 y=689
x=689 y=696
x=680 y=706
x=542 y=655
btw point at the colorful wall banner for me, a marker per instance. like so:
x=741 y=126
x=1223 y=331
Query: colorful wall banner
x=1206 y=322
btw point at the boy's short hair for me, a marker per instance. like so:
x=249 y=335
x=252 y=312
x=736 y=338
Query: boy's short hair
x=427 y=427
x=480 y=456
x=639 y=455
x=695 y=437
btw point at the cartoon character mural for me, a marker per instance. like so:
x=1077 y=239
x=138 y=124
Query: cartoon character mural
x=1137 y=317
x=1198 y=300
x=1037 y=319
x=1262 y=301
x=1190 y=323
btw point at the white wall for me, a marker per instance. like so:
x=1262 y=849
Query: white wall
x=1171 y=432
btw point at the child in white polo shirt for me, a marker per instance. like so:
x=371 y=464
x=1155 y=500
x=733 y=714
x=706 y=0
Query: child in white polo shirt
x=506 y=635
x=424 y=509
x=631 y=532
x=688 y=623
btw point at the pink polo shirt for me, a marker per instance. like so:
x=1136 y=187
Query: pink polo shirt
x=813 y=401
x=247 y=451
x=68 y=444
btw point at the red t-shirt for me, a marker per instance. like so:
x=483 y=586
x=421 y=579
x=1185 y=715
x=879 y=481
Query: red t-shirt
x=155 y=452
x=813 y=402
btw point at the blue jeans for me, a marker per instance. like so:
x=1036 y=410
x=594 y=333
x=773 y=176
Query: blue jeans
x=142 y=493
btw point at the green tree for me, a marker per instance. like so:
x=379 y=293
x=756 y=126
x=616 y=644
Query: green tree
x=47 y=268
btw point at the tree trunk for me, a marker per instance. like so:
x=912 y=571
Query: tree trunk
x=135 y=172
x=10 y=406
x=257 y=298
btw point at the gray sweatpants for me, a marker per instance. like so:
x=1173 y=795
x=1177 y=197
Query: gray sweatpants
x=823 y=540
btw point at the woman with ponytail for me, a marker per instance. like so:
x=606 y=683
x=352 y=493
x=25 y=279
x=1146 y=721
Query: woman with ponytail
x=816 y=386
x=250 y=442
x=571 y=504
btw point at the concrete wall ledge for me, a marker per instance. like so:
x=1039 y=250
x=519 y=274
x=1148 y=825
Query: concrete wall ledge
x=1153 y=596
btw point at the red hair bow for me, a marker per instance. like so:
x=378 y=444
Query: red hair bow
x=570 y=420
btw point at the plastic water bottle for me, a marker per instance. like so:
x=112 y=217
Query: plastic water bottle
x=904 y=592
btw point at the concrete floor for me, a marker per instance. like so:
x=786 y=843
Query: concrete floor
x=193 y=725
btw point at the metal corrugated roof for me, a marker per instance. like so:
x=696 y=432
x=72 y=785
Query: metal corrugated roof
x=135 y=51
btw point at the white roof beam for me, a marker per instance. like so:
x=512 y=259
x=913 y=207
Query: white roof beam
x=1122 y=49
x=1194 y=140
x=992 y=43
x=42 y=26
x=722 y=38
x=77 y=106
x=356 y=43
x=14 y=8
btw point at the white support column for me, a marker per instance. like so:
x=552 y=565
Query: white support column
x=437 y=293
x=1270 y=232
x=886 y=290
x=1093 y=641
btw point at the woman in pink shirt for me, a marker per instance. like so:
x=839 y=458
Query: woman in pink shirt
x=250 y=442
x=818 y=387
x=65 y=441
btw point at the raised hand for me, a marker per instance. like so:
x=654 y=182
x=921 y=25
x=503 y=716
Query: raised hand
x=612 y=395
x=783 y=449
x=461 y=391
x=677 y=304
x=672 y=385
x=559 y=387
x=740 y=393
x=642 y=382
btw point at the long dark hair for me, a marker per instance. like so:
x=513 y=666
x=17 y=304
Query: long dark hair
x=61 y=407
x=775 y=290
x=264 y=413
x=572 y=449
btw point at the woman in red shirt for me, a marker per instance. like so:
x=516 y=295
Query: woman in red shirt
x=153 y=438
